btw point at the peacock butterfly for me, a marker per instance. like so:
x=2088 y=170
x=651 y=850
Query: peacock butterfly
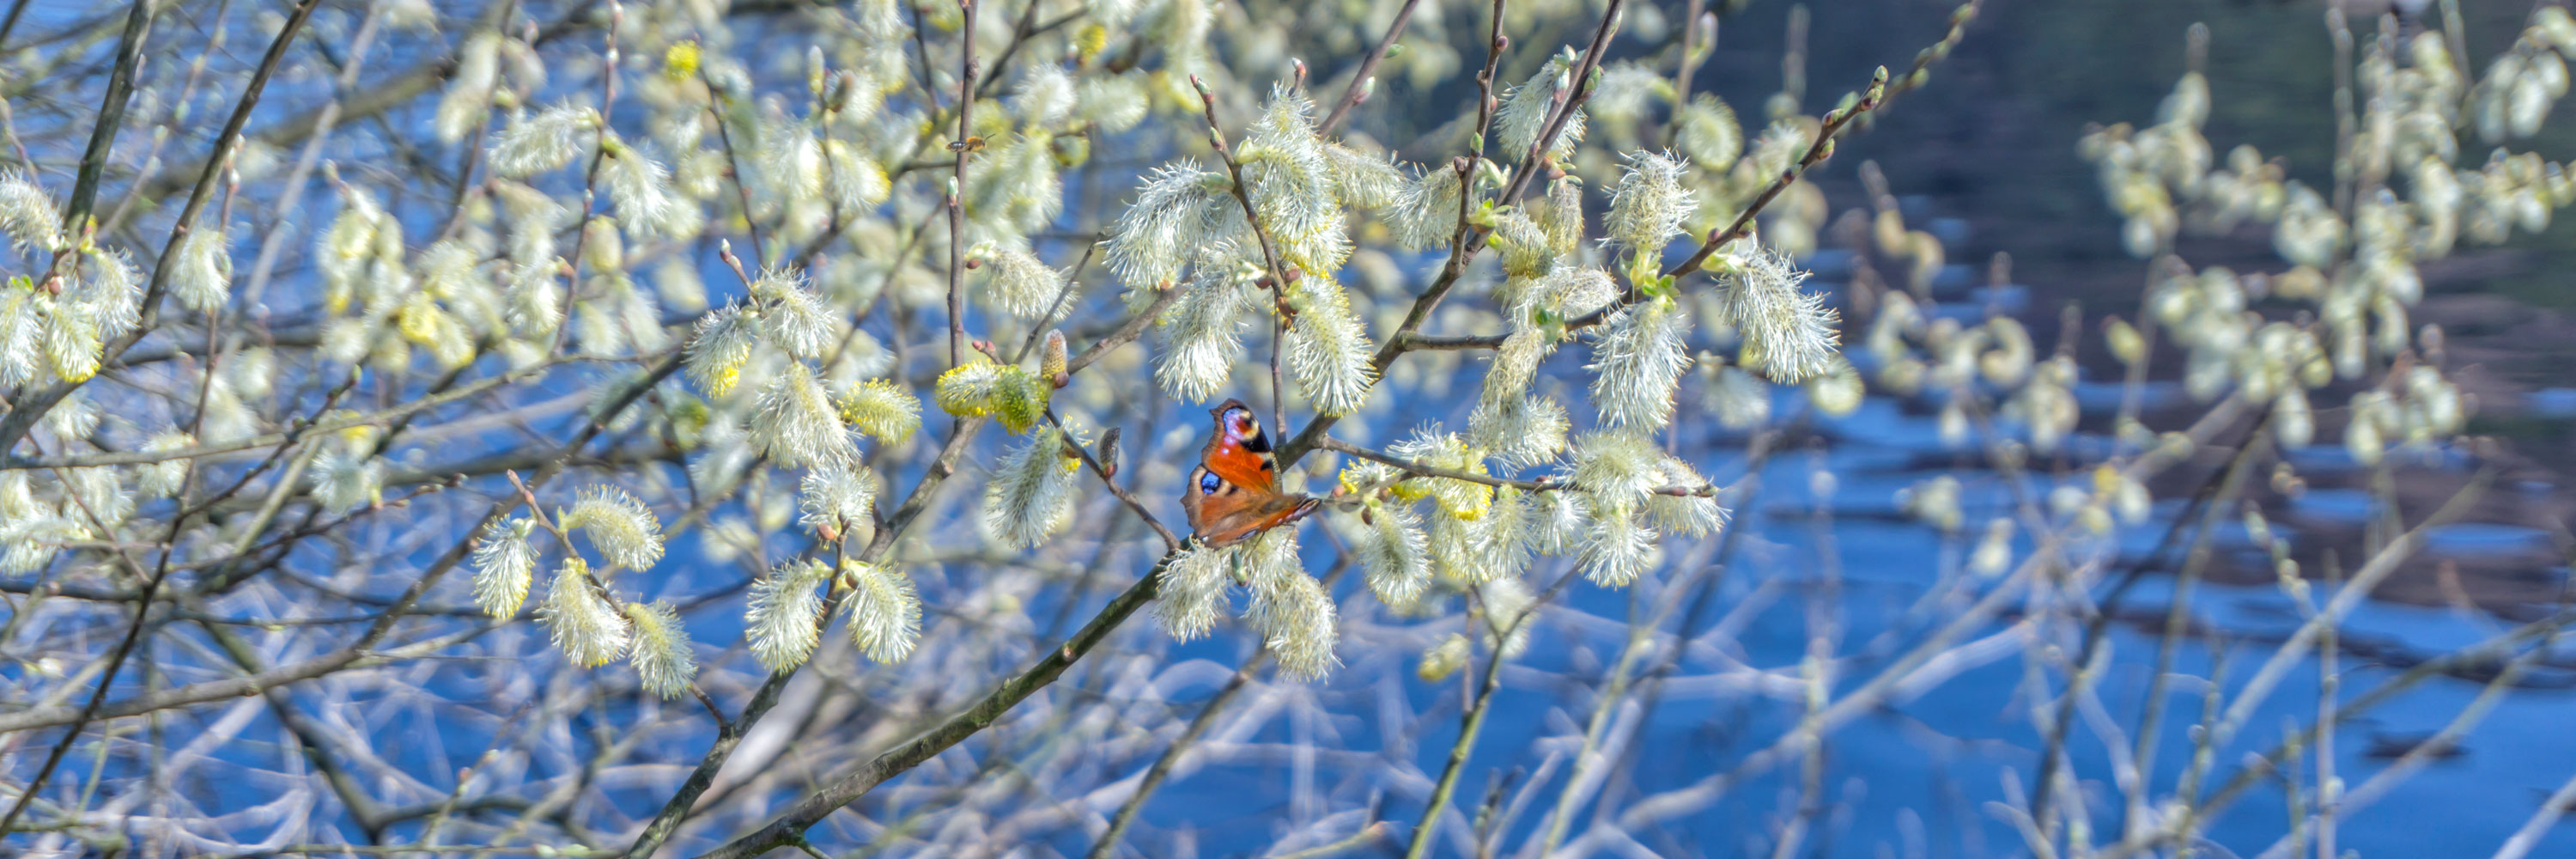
x=1234 y=492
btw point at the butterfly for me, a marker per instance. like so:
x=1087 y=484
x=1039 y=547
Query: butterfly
x=1234 y=492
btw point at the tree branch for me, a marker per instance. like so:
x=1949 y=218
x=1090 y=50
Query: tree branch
x=850 y=785
x=1358 y=90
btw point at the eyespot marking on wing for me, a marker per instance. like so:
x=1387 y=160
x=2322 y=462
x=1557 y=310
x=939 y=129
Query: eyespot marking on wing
x=1236 y=481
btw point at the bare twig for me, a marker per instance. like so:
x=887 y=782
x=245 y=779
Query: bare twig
x=1171 y=543
x=851 y=784
x=1107 y=845
x=965 y=146
x=1363 y=78
x=1474 y=719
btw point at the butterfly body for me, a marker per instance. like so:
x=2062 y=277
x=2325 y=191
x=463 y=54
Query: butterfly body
x=1234 y=492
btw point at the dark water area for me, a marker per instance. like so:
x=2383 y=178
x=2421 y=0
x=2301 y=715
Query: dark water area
x=1992 y=143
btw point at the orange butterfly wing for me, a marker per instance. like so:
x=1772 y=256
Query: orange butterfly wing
x=1239 y=452
x=1233 y=493
x=1223 y=514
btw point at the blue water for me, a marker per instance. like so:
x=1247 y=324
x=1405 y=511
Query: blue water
x=1927 y=763
x=1930 y=763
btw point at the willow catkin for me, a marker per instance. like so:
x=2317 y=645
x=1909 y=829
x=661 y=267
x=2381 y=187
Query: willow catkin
x=782 y=614
x=625 y=532
x=1193 y=591
x=1030 y=496
x=1329 y=351
x=1202 y=337
x=1523 y=114
x=883 y=608
x=662 y=653
x=1619 y=548
x=1638 y=363
x=1394 y=554
x=1649 y=204
x=1789 y=335
x=795 y=422
x=882 y=409
x=543 y=142
x=586 y=627
x=503 y=562
x=1153 y=238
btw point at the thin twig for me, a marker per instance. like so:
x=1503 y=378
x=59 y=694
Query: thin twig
x=1279 y=276
x=1568 y=102
x=111 y=118
x=1474 y=719
x=1823 y=147
x=1540 y=485
x=1171 y=543
x=1365 y=75
x=1107 y=844
x=957 y=186
x=733 y=163
x=1687 y=65
x=2211 y=497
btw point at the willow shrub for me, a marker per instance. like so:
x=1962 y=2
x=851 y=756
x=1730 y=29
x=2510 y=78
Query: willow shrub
x=488 y=320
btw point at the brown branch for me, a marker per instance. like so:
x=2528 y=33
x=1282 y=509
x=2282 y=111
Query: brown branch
x=957 y=186
x=111 y=119
x=1020 y=34
x=847 y=787
x=1818 y=151
x=1570 y=101
x=1171 y=543
x=1358 y=91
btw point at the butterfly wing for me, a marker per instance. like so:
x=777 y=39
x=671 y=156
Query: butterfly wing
x=1223 y=513
x=1239 y=452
